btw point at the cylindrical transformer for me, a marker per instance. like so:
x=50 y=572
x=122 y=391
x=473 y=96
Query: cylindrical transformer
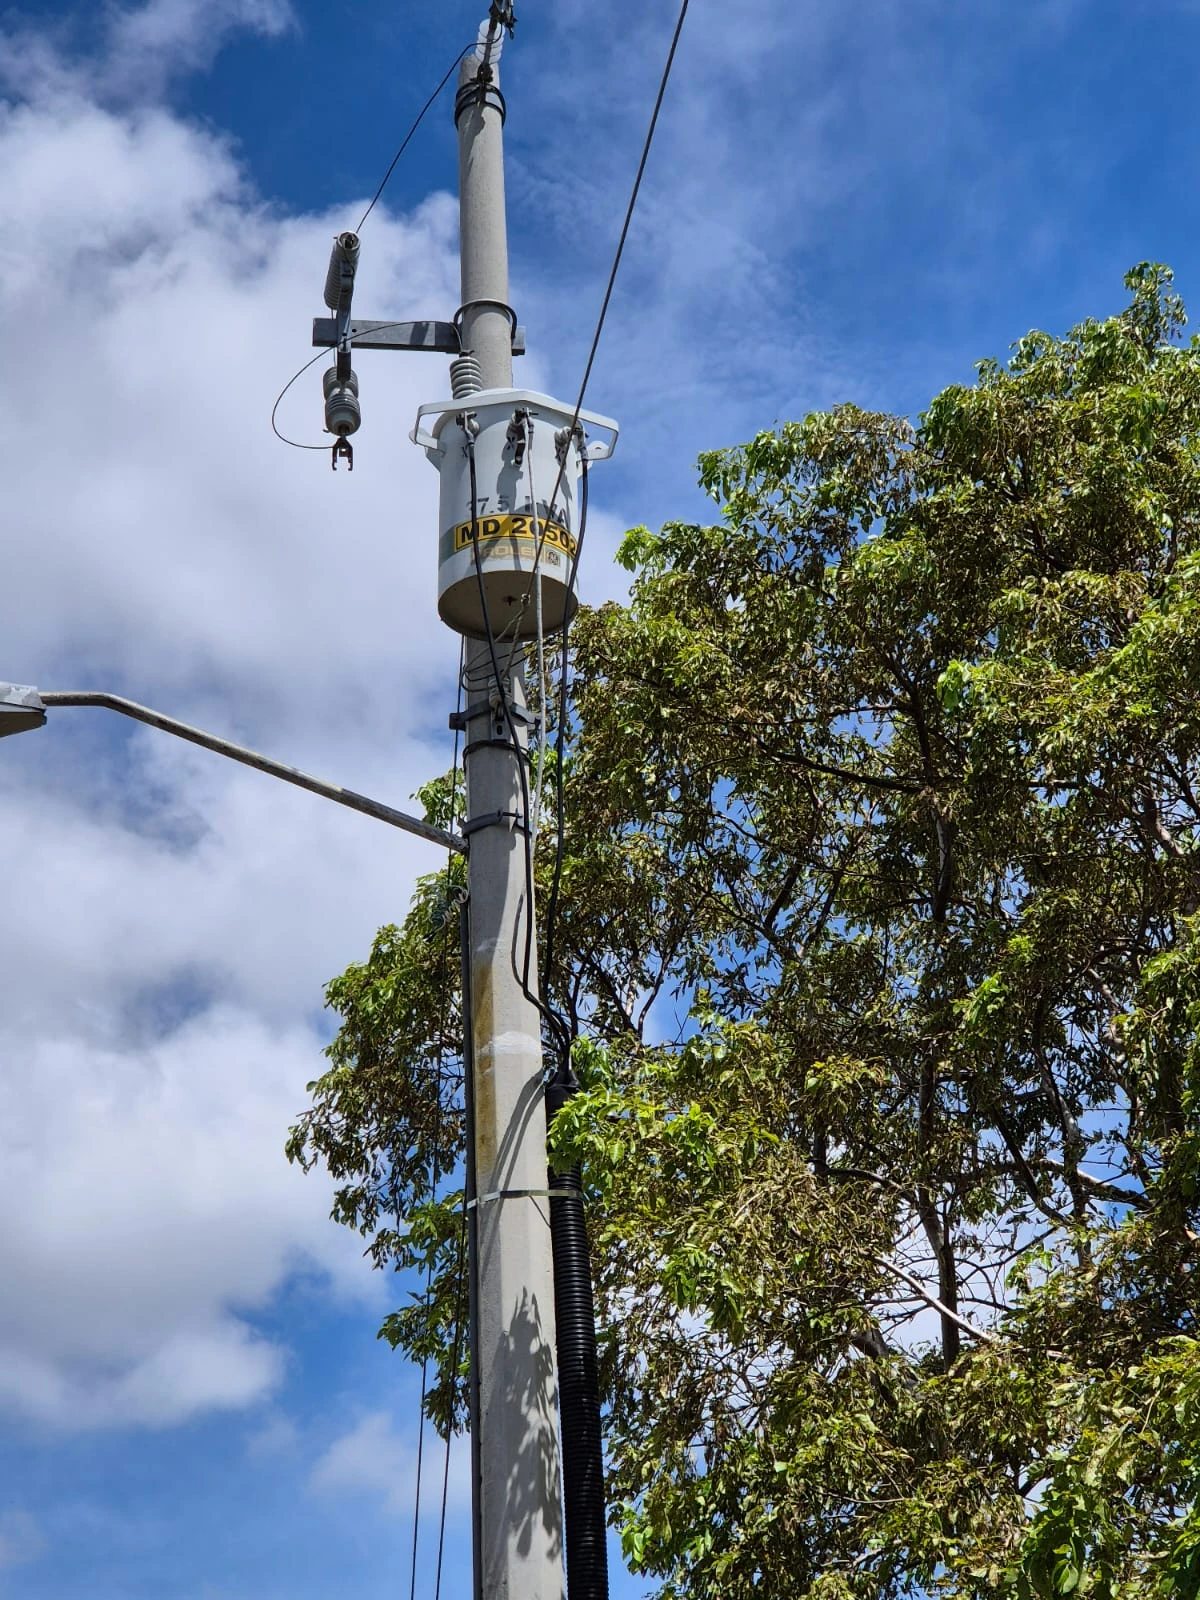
x=495 y=546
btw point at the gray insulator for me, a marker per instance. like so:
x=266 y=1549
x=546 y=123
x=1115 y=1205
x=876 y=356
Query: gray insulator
x=343 y=255
x=343 y=414
x=465 y=376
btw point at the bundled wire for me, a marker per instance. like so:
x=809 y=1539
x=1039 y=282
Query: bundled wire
x=558 y=1026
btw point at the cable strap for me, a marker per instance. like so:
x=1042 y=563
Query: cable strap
x=512 y=820
x=522 y=1194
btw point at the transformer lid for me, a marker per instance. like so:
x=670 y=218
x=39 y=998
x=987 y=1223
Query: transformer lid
x=505 y=400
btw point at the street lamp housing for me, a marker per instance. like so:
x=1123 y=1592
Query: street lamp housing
x=21 y=708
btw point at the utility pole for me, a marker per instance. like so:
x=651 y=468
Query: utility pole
x=518 y=1505
x=511 y=463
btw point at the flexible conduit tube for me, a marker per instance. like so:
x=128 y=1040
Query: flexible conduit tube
x=578 y=1380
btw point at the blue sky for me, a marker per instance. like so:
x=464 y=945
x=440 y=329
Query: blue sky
x=844 y=203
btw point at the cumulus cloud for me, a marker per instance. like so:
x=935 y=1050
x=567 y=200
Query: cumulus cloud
x=150 y=1208
x=127 y=53
x=169 y=918
x=148 y=43
x=373 y=1458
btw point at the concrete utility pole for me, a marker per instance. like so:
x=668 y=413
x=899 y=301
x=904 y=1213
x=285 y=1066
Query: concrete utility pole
x=518 y=1504
x=511 y=464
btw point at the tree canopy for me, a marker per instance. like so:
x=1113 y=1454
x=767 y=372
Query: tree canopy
x=880 y=934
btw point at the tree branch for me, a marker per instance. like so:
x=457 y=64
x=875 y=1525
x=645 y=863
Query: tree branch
x=931 y=1300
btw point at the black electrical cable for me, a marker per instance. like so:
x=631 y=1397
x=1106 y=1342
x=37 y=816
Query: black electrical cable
x=552 y=906
x=557 y=1024
x=563 y=1074
x=585 y=1523
x=408 y=137
x=279 y=400
x=612 y=279
x=578 y=1380
x=310 y=362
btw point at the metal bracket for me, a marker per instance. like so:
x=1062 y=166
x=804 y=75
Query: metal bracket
x=521 y=1194
x=520 y=430
x=512 y=820
x=458 y=720
x=504 y=16
x=436 y=336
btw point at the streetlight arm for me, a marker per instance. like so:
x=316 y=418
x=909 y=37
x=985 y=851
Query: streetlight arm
x=251 y=758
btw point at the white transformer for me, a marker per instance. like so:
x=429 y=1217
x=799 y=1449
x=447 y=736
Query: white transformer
x=498 y=546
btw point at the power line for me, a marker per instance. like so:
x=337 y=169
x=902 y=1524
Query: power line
x=295 y=444
x=408 y=137
x=556 y=879
x=633 y=199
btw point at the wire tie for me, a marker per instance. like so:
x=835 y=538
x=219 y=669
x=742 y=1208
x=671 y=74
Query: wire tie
x=512 y=820
x=522 y=1194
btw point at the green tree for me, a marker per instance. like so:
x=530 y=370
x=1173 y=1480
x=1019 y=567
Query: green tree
x=880 y=933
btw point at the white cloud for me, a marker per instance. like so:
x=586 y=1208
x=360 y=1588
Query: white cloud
x=169 y=918
x=373 y=1458
x=149 y=42
x=149 y=1206
x=128 y=53
x=277 y=1437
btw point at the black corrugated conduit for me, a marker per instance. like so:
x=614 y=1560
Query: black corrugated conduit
x=578 y=1377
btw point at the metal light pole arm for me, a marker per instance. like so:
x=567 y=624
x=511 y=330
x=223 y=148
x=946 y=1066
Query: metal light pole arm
x=251 y=758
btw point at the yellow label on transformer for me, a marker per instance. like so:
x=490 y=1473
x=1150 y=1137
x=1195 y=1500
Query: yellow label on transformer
x=515 y=525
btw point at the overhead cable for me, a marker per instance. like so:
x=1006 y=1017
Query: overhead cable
x=408 y=137
x=556 y=878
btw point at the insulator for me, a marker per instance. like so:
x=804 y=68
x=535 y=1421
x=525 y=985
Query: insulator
x=343 y=264
x=466 y=376
x=343 y=414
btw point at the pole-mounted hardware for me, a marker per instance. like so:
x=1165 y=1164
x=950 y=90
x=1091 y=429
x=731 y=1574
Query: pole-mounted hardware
x=342 y=332
x=343 y=414
x=504 y=16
